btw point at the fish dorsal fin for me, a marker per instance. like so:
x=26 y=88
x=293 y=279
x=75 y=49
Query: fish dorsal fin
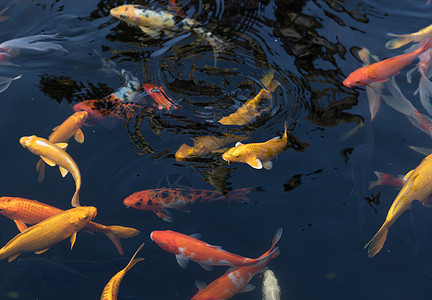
x=11 y=258
x=79 y=136
x=408 y=175
x=268 y=165
x=238 y=144
x=249 y=287
x=21 y=226
x=62 y=146
x=255 y=163
x=196 y=235
x=182 y=261
x=73 y=239
x=55 y=128
x=48 y=161
x=200 y=284
x=41 y=251
x=206 y=267
x=63 y=171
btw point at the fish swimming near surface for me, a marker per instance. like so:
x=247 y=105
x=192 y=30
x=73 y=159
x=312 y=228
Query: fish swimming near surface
x=25 y=211
x=236 y=279
x=187 y=248
x=153 y=23
x=112 y=287
x=403 y=39
x=204 y=145
x=159 y=96
x=416 y=187
x=382 y=70
x=62 y=133
x=270 y=287
x=42 y=236
x=53 y=154
x=257 y=155
x=162 y=199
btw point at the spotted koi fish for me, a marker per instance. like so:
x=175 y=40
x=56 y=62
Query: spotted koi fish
x=188 y=248
x=160 y=200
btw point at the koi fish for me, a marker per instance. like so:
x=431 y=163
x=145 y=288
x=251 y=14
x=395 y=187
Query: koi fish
x=160 y=200
x=112 y=287
x=403 y=39
x=53 y=154
x=425 y=85
x=416 y=187
x=42 y=236
x=5 y=82
x=159 y=96
x=204 y=145
x=3 y=18
x=188 y=248
x=153 y=23
x=257 y=155
x=382 y=70
x=270 y=287
x=25 y=211
x=236 y=280
x=387 y=179
x=62 y=133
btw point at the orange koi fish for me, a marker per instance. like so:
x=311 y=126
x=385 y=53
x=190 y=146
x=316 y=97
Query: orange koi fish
x=257 y=155
x=188 y=248
x=236 y=280
x=53 y=154
x=159 y=96
x=25 y=211
x=112 y=287
x=204 y=145
x=416 y=187
x=382 y=70
x=42 y=236
x=62 y=133
x=160 y=200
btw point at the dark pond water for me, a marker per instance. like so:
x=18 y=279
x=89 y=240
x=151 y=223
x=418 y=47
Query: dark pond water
x=311 y=47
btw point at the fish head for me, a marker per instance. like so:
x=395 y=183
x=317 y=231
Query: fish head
x=81 y=215
x=7 y=207
x=139 y=200
x=29 y=142
x=93 y=114
x=80 y=117
x=128 y=13
x=360 y=76
x=184 y=152
x=237 y=154
x=165 y=239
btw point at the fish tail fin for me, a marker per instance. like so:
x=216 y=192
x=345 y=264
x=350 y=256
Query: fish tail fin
x=239 y=195
x=425 y=91
x=115 y=233
x=377 y=242
x=399 y=41
x=40 y=168
x=134 y=260
x=75 y=199
x=272 y=252
x=399 y=102
x=379 y=181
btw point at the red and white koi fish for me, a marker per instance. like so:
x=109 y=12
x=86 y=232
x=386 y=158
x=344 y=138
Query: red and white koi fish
x=396 y=181
x=236 y=280
x=160 y=200
x=188 y=248
x=382 y=70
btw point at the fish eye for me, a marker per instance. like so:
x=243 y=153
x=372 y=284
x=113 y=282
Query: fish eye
x=162 y=244
x=123 y=16
x=85 y=217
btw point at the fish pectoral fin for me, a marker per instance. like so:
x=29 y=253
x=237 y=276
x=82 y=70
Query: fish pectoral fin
x=73 y=239
x=41 y=251
x=48 y=161
x=182 y=261
x=79 y=136
x=268 y=165
x=62 y=146
x=238 y=144
x=195 y=235
x=200 y=284
x=55 y=128
x=255 y=163
x=21 y=226
x=63 y=171
x=407 y=175
x=249 y=287
x=164 y=215
x=150 y=32
x=12 y=257
x=206 y=267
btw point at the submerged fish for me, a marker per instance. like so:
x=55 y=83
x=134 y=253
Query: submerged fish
x=62 y=133
x=270 y=287
x=416 y=187
x=112 y=287
x=257 y=155
x=159 y=96
x=236 y=280
x=387 y=179
x=188 y=248
x=53 y=154
x=159 y=200
x=25 y=211
x=403 y=39
x=42 y=236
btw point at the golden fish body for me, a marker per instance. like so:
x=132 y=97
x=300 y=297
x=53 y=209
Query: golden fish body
x=53 y=154
x=40 y=237
x=417 y=187
x=403 y=39
x=112 y=287
x=257 y=155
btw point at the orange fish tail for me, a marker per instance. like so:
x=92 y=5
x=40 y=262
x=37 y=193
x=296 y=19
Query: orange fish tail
x=75 y=199
x=115 y=233
x=377 y=242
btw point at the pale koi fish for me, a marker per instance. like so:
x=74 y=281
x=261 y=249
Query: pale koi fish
x=55 y=155
x=153 y=23
x=188 y=248
x=270 y=287
x=33 y=42
x=403 y=39
x=5 y=82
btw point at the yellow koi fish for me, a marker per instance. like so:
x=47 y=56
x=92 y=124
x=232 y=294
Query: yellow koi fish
x=112 y=287
x=204 y=145
x=257 y=155
x=53 y=154
x=40 y=237
x=250 y=109
x=403 y=39
x=62 y=133
x=416 y=187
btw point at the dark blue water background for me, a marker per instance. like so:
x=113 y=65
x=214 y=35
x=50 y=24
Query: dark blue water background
x=310 y=46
